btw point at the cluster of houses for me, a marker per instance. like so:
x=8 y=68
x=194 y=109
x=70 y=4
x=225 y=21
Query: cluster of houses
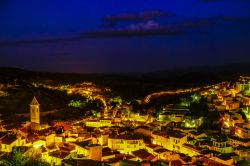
x=150 y=141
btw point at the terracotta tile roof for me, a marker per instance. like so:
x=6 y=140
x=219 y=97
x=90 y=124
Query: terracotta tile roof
x=196 y=148
x=176 y=134
x=176 y=163
x=8 y=139
x=62 y=124
x=76 y=162
x=143 y=154
x=66 y=146
x=152 y=146
x=126 y=137
x=162 y=150
x=59 y=154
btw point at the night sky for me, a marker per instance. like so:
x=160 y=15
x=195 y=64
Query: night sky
x=89 y=36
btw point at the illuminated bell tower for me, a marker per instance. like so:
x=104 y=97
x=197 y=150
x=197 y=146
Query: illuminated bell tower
x=35 y=111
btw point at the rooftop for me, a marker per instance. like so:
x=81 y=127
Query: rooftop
x=8 y=139
x=162 y=150
x=176 y=134
x=34 y=101
x=225 y=157
x=59 y=154
x=143 y=154
x=76 y=162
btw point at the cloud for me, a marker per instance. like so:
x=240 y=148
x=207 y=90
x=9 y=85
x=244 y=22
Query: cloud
x=142 y=29
x=152 y=28
x=149 y=25
x=146 y=15
x=161 y=31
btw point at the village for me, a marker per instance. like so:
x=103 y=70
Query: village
x=175 y=136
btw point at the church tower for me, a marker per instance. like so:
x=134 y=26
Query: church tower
x=35 y=111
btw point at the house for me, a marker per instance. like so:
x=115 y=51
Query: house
x=59 y=138
x=220 y=144
x=143 y=155
x=176 y=140
x=160 y=138
x=70 y=139
x=191 y=150
x=66 y=147
x=78 y=162
x=237 y=141
x=99 y=123
x=225 y=159
x=172 y=140
x=84 y=137
x=119 y=158
x=242 y=130
x=243 y=152
x=9 y=141
x=166 y=155
x=176 y=162
x=209 y=153
x=81 y=149
x=196 y=135
x=125 y=143
x=88 y=151
x=245 y=100
x=102 y=139
x=191 y=140
x=152 y=147
x=50 y=139
x=140 y=118
x=108 y=154
x=143 y=130
x=39 y=143
x=95 y=152
x=56 y=157
x=231 y=105
x=173 y=115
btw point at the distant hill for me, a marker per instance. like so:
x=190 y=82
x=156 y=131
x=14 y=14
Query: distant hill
x=136 y=85
x=20 y=97
x=238 y=68
x=197 y=74
x=228 y=69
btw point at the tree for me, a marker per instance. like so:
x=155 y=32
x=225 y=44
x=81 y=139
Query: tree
x=196 y=98
x=199 y=109
x=18 y=159
x=185 y=102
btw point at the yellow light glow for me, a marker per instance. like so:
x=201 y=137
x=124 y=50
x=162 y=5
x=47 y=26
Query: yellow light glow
x=227 y=124
x=36 y=146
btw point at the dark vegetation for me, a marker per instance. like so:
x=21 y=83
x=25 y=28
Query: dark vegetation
x=128 y=86
x=16 y=158
x=131 y=85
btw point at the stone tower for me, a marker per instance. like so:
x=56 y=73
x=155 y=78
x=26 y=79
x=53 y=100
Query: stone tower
x=35 y=111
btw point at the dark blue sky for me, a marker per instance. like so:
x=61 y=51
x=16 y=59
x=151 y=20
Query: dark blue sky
x=123 y=36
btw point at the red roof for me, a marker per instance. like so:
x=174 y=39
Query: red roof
x=176 y=163
x=62 y=124
x=143 y=154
